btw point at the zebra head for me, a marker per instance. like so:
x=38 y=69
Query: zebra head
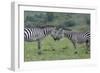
x=57 y=34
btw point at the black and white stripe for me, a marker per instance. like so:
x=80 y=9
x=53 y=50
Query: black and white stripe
x=37 y=34
x=74 y=37
x=78 y=37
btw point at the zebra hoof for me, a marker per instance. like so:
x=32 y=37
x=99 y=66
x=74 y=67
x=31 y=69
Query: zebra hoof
x=75 y=52
x=39 y=53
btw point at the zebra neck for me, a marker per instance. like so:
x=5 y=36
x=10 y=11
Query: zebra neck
x=46 y=31
x=68 y=34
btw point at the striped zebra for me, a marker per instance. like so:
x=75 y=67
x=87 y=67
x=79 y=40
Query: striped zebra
x=74 y=37
x=37 y=34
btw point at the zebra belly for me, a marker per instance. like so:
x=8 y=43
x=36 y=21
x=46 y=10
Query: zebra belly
x=38 y=36
x=81 y=40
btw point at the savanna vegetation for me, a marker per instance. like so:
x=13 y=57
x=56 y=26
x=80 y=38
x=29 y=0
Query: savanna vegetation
x=56 y=50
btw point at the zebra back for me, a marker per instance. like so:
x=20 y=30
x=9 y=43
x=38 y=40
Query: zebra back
x=78 y=37
x=37 y=33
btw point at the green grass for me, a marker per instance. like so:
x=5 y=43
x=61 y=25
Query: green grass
x=63 y=50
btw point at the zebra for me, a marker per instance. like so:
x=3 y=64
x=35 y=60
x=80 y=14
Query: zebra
x=74 y=36
x=37 y=34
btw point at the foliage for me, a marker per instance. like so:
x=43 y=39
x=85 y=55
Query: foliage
x=76 y=21
x=63 y=48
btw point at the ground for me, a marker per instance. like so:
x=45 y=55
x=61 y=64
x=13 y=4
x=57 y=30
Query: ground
x=54 y=50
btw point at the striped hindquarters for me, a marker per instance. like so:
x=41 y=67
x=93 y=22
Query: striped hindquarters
x=32 y=34
x=79 y=37
x=28 y=34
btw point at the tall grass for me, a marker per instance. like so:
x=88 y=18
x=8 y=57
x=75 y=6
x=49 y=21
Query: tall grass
x=53 y=50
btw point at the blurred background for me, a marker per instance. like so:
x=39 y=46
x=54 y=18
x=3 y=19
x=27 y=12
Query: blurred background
x=56 y=50
x=75 y=21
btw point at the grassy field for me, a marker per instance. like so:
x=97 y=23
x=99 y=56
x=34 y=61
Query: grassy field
x=54 y=50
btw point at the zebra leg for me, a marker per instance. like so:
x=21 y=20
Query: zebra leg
x=39 y=47
x=74 y=47
x=87 y=46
